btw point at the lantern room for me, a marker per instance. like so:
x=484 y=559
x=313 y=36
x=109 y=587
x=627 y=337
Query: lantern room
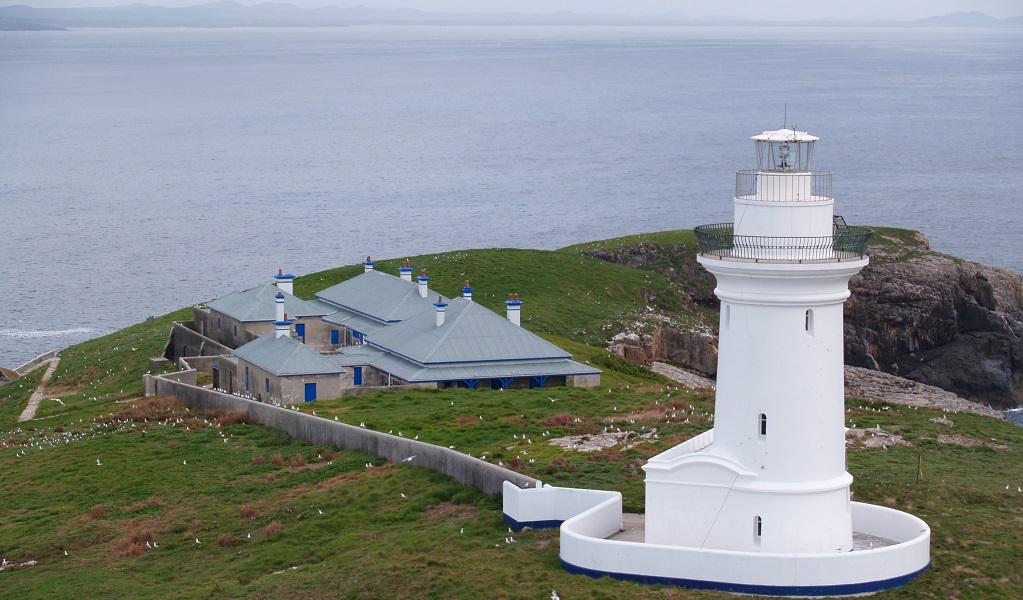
x=784 y=150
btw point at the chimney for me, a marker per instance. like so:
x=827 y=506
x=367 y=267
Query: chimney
x=285 y=281
x=282 y=324
x=514 y=305
x=368 y=263
x=405 y=271
x=440 y=304
x=467 y=291
x=423 y=281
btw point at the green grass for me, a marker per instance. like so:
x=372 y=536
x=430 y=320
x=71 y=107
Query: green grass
x=563 y=294
x=372 y=542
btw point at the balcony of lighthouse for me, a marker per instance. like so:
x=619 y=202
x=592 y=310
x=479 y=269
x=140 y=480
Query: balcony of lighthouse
x=719 y=241
x=783 y=186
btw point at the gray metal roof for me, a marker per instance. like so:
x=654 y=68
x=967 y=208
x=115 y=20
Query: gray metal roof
x=284 y=356
x=470 y=334
x=354 y=321
x=259 y=304
x=352 y=356
x=325 y=308
x=415 y=373
x=379 y=296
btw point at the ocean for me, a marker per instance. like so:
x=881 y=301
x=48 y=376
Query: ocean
x=142 y=170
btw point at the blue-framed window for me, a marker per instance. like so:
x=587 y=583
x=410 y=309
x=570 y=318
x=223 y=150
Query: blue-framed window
x=218 y=322
x=267 y=385
x=246 y=379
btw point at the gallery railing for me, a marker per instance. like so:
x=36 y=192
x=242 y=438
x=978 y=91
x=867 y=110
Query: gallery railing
x=720 y=240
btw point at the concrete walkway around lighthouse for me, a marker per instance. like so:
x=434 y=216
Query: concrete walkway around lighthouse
x=37 y=396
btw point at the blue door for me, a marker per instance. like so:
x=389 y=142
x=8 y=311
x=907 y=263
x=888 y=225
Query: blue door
x=335 y=337
x=300 y=330
x=358 y=375
x=310 y=392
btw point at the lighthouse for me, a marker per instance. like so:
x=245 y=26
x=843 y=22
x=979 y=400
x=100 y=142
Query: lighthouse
x=761 y=503
x=771 y=476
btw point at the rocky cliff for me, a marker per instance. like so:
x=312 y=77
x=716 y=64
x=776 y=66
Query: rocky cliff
x=915 y=313
x=936 y=319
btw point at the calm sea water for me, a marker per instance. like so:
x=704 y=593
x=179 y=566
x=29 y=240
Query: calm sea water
x=142 y=170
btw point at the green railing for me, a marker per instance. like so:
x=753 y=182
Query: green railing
x=720 y=240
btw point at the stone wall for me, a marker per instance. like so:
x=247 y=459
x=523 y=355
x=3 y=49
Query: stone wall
x=186 y=341
x=35 y=362
x=486 y=477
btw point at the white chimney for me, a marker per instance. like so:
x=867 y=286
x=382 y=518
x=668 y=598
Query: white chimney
x=440 y=304
x=368 y=263
x=514 y=306
x=285 y=281
x=405 y=271
x=423 y=281
x=282 y=324
x=467 y=291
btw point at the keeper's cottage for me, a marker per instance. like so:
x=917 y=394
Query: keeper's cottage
x=370 y=331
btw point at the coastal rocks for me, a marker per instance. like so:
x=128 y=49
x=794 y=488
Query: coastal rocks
x=688 y=379
x=914 y=313
x=938 y=320
x=878 y=386
x=696 y=350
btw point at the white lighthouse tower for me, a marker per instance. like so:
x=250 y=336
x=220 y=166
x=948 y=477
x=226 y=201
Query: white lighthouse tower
x=760 y=503
x=771 y=476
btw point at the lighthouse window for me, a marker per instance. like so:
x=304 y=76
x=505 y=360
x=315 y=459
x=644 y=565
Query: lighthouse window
x=809 y=322
x=758 y=528
x=762 y=424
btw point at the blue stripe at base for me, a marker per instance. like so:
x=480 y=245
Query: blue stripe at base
x=520 y=525
x=848 y=589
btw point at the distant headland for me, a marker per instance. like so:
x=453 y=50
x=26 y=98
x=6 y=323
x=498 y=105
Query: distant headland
x=233 y=14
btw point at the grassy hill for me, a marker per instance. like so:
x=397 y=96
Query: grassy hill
x=278 y=518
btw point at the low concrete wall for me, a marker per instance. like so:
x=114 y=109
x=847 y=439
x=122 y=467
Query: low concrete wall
x=188 y=376
x=462 y=468
x=186 y=341
x=203 y=363
x=35 y=362
x=549 y=506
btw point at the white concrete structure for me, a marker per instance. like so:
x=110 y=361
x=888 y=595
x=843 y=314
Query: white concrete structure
x=761 y=503
x=405 y=271
x=424 y=284
x=285 y=282
x=514 y=309
x=282 y=326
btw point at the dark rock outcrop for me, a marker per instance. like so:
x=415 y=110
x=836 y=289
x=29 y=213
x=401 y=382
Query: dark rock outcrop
x=914 y=313
x=938 y=320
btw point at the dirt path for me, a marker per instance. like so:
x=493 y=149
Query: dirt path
x=37 y=396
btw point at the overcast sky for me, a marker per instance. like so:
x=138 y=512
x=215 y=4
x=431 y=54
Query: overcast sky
x=759 y=9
